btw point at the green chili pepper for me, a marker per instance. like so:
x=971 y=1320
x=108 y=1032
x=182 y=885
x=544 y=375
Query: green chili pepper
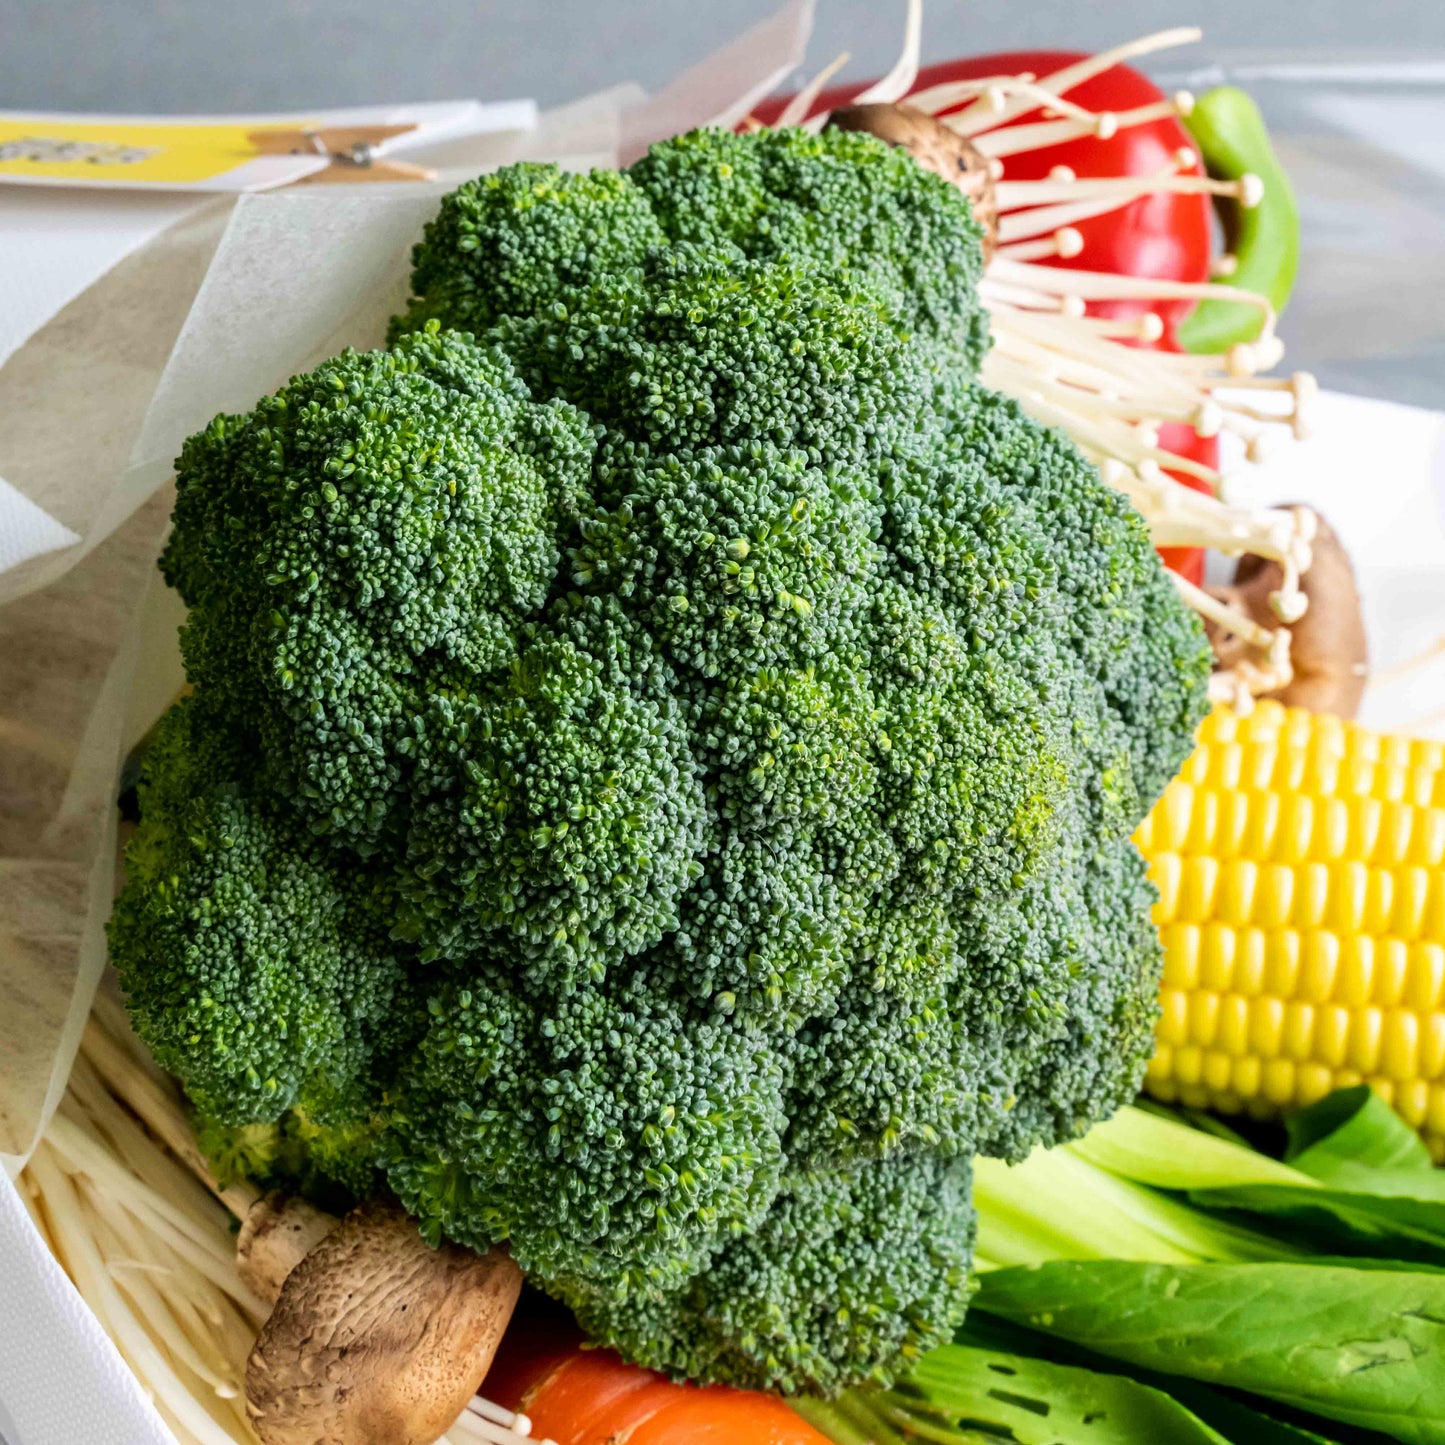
x=1264 y=239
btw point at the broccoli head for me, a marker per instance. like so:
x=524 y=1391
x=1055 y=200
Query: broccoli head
x=663 y=753
x=840 y=201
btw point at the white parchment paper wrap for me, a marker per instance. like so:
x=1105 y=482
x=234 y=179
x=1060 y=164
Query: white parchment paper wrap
x=208 y=307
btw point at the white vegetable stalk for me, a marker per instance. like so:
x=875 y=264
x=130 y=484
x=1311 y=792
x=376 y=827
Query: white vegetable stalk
x=1080 y=373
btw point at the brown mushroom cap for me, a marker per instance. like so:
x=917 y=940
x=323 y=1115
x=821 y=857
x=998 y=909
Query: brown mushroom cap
x=278 y=1232
x=936 y=148
x=378 y=1339
x=1328 y=651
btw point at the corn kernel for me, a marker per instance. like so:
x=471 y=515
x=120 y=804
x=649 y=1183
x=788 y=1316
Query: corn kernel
x=1432 y=924
x=1181 y=955
x=1309 y=895
x=1321 y=965
x=1266 y=1026
x=1412 y=1097
x=1435 y=1110
x=1218 y=945
x=1189 y=1065
x=1197 y=890
x=1365 y=817
x=1250 y=962
x=1175 y=1007
x=1366 y=1032
x=1333 y=824
x=1392 y=969
x=1216 y=1070
x=1348 y=884
x=1262 y=825
x=1299 y=1031
x=1231 y=827
x=1246 y=1076
x=1279 y=1083
x=1314 y=1082
x=1296 y=829
x=1221 y=726
x=1332 y=1034
x=1397 y=829
x=1379 y=899
x=1166 y=873
x=1202 y=1019
x=1391 y=782
x=1432 y=1046
x=1282 y=952
x=1427 y=842
x=1400 y=1044
x=1412 y=897
x=1171 y=819
x=1425 y=976
x=1225 y=765
x=1234 y=902
x=1357 y=971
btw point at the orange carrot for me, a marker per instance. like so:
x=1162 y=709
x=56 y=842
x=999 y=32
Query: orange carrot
x=579 y=1396
x=725 y=1417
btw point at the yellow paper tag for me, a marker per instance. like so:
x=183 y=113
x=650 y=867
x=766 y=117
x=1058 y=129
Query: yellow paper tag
x=43 y=148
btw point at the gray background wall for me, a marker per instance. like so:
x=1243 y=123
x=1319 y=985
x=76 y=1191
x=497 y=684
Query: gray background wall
x=1365 y=148
x=179 y=55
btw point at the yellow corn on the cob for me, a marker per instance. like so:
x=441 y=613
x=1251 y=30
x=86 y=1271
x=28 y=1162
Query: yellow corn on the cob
x=1300 y=862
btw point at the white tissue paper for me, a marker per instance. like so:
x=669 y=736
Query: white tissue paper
x=126 y=323
x=26 y=530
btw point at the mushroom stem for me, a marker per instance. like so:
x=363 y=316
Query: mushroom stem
x=797 y=109
x=156 y=1104
x=981 y=117
x=1013 y=194
x=276 y=1234
x=1015 y=138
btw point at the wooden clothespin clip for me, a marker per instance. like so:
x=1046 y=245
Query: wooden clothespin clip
x=351 y=150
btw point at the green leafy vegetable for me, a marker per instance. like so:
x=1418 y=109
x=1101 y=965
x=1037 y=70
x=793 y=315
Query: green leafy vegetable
x=1361 y=1346
x=963 y=1394
x=1355 y=1140
x=1338 y=1221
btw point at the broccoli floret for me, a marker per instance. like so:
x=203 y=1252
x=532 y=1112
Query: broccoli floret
x=731 y=554
x=840 y=200
x=659 y=781
x=385 y=516
x=255 y=967
x=508 y=243
x=848 y=1265
x=573 y=822
x=699 y=347
x=611 y=1137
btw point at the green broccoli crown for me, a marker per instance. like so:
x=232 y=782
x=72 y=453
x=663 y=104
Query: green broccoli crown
x=512 y=241
x=256 y=965
x=840 y=1271
x=664 y=749
x=383 y=518
x=840 y=200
